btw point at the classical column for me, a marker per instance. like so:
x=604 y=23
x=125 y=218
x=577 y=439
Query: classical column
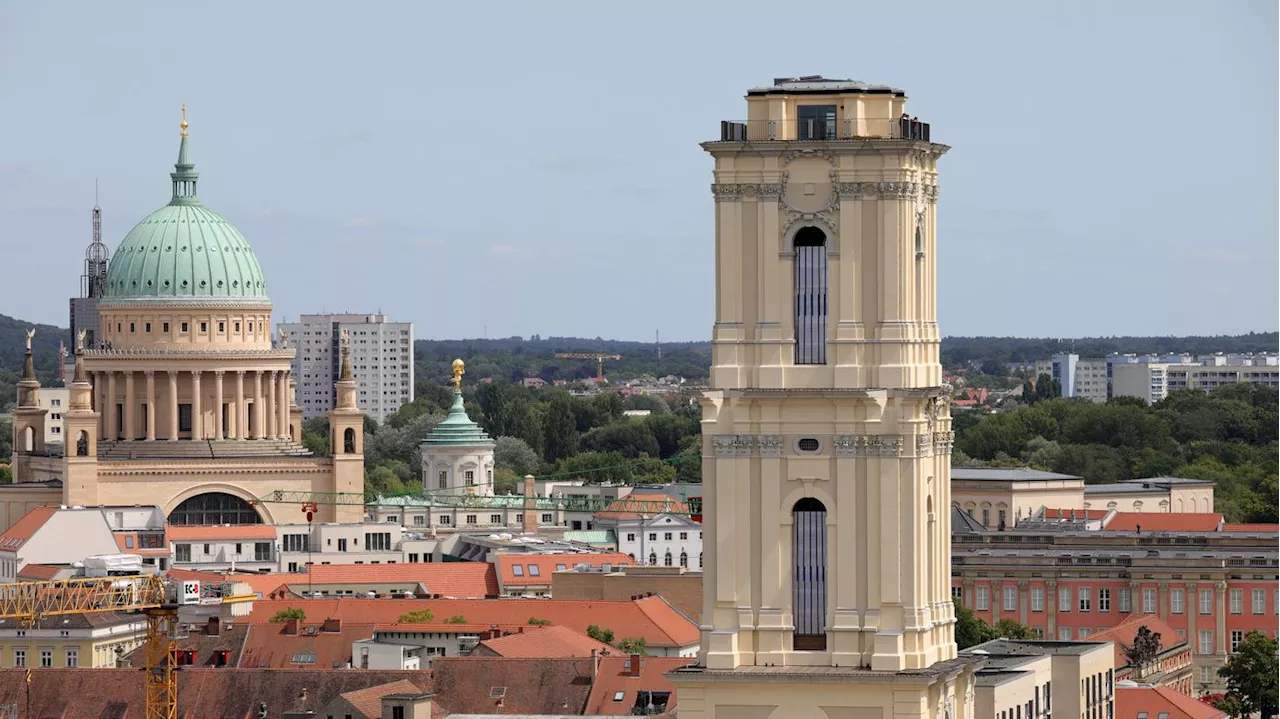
x=1162 y=601
x=130 y=422
x=259 y=405
x=197 y=407
x=151 y=405
x=282 y=404
x=269 y=397
x=217 y=404
x=237 y=432
x=173 y=404
x=100 y=392
x=1192 y=607
x=995 y=597
x=1051 y=608
x=1023 y=591
x=1221 y=611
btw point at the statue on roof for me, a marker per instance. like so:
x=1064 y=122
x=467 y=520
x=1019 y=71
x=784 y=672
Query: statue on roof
x=30 y=333
x=284 y=339
x=344 y=339
x=459 y=369
x=80 y=341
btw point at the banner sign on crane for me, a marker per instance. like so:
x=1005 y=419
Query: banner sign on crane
x=191 y=592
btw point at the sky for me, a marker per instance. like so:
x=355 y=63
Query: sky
x=498 y=169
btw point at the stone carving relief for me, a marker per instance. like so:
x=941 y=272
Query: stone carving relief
x=770 y=445
x=810 y=152
x=733 y=445
x=853 y=445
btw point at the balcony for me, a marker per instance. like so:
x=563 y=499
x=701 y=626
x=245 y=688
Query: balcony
x=824 y=130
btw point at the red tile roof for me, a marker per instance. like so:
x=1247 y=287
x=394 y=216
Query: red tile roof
x=178 y=532
x=497 y=685
x=462 y=580
x=25 y=528
x=614 y=676
x=202 y=693
x=39 y=572
x=267 y=646
x=1160 y=700
x=536 y=569
x=617 y=509
x=262 y=584
x=1122 y=635
x=1077 y=513
x=162 y=551
x=369 y=701
x=1153 y=522
x=1255 y=528
x=651 y=618
x=545 y=643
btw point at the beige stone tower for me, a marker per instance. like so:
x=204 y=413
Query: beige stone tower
x=80 y=428
x=346 y=439
x=28 y=416
x=827 y=433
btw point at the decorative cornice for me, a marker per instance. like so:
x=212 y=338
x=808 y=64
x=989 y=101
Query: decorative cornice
x=810 y=152
x=728 y=193
x=186 y=303
x=770 y=191
x=770 y=445
x=848 y=190
x=874 y=445
x=924 y=445
x=896 y=190
x=188 y=353
x=733 y=445
x=943 y=441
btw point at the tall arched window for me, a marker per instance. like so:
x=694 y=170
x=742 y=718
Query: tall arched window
x=666 y=559
x=28 y=440
x=684 y=558
x=214 y=508
x=82 y=444
x=811 y=296
x=653 y=559
x=349 y=441
x=809 y=583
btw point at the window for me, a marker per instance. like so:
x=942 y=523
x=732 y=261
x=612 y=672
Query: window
x=534 y=570
x=517 y=570
x=377 y=542
x=653 y=536
x=1064 y=599
x=262 y=551
x=1084 y=632
x=296 y=542
x=684 y=558
x=561 y=567
x=546 y=519
x=397 y=712
x=19 y=658
x=413 y=558
x=631 y=537
x=184 y=418
x=1237 y=601
x=1148 y=601
x=1086 y=599
x=128 y=542
x=980 y=600
x=666 y=536
x=811 y=296
x=495 y=519
x=1206 y=601
x=304 y=657
x=46 y=658
x=666 y=559
x=204 y=327
x=1104 y=599
x=222 y=327
x=1258 y=601
x=809 y=568
x=237 y=328
x=1206 y=641
x=1124 y=604
x=986 y=517
x=1037 y=599
x=184 y=328
x=1064 y=634
x=131 y=328
x=1010 y=599
x=182 y=552
x=342 y=544
x=816 y=122
x=73 y=657
x=653 y=559
x=471 y=519
x=444 y=479
x=419 y=520
x=146 y=326
x=957 y=593
x=1176 y=601
x=164 y=327
x=684 y=535
x=445 y=519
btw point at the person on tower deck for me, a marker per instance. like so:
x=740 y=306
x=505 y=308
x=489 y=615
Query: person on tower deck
x=904 y=126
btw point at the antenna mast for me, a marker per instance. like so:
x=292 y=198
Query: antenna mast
x=657 y=339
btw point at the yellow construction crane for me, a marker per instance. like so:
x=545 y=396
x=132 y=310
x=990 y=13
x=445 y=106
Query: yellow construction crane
x=599 y=358
x=29 y=602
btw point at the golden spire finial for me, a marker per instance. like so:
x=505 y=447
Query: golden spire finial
x=183 y=124
x=459 y=369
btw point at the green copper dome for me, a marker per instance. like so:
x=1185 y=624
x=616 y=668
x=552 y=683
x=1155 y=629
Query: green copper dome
x=457 y=430
x=185 y=251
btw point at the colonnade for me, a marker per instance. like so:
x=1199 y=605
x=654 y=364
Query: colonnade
x=247 y=404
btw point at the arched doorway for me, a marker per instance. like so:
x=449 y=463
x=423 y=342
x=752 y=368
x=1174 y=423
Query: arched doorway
x=214 y=508
x=809 y=580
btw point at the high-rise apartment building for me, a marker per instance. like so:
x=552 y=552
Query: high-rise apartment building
x=1085 y=378
x=826 y=432
x=381 y=359
x=1152 y=381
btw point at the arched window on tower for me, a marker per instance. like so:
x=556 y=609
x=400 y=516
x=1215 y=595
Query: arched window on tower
x=28 y=439
x=809 y=578
x=82 y=444
x=811 y=296
x=349 y=441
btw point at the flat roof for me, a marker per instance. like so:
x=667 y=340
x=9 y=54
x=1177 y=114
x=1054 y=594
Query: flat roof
x=998 y=648
x=1006 y=474
x=819 y=85
x=1121 y=488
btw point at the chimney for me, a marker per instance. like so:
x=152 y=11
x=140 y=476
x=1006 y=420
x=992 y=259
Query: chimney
x=635 y=666
x=595 y=665
x=291 y=627
x=332 y=625
x=530 y=517
x=214 y=627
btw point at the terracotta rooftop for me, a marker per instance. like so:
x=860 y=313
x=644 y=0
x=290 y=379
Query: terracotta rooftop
x=88 y=620
x=1122 y=635
x=651 y=618
x=536 y=569
x=1157 y=701
x=617 y=508
x=369 y=701
x=497 y=685
x=271 y=646
x=1253 y=528
x=546 y=643
x=263 y=585
x=25 y=528
x=615 y=691
x=193 y=532
x=462 y=580
x=202 y=693
x=39 y=572
x=203 y=646
x=1156 y=522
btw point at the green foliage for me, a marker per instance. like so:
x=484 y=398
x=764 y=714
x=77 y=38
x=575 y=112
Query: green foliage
x=1145 y=648
x=963 y=351
x=285 y=615
x=6 y=474
x=513 y=358
x=456 y=619
x=514 y=454
x=600 y=635
x=972 y=631
x=315 y=435
x=417 y=616
x=1251 y=676
x=633 y=645
x=559 y=428
x=536 y=622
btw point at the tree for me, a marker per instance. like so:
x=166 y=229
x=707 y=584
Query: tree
x=315 y=435
x=1010 y=629
x=456 y=619
x=559 y=429
x=633 y=645
x=1145 y=648
x=285 y=615
x=970 y=631
x=6 y=474
x=630 y=439
x=514 y=454
x=1251 y=675
x=417 y=616
x=536 y=622
x=600 y=635
x=383 y=480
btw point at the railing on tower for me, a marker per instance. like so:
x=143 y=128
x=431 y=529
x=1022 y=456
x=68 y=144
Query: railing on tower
x=822 y=130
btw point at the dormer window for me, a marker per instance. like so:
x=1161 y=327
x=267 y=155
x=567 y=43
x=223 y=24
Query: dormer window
x=816 y=122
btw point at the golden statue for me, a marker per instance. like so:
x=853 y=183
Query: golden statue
x=183 y=124
x=459 y=369
x=32 y=333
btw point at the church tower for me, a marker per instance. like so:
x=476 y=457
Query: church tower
x=826 y=435
x=346 y=439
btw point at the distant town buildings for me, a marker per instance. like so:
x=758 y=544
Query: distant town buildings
x=1153 y=377
x=381 y=359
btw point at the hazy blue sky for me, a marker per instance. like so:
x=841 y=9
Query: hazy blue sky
x=534 y=166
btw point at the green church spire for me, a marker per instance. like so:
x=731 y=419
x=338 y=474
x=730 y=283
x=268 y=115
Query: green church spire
x=184 y=173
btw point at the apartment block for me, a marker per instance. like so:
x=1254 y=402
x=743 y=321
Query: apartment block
x=1153 y=381
x=381 y=359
